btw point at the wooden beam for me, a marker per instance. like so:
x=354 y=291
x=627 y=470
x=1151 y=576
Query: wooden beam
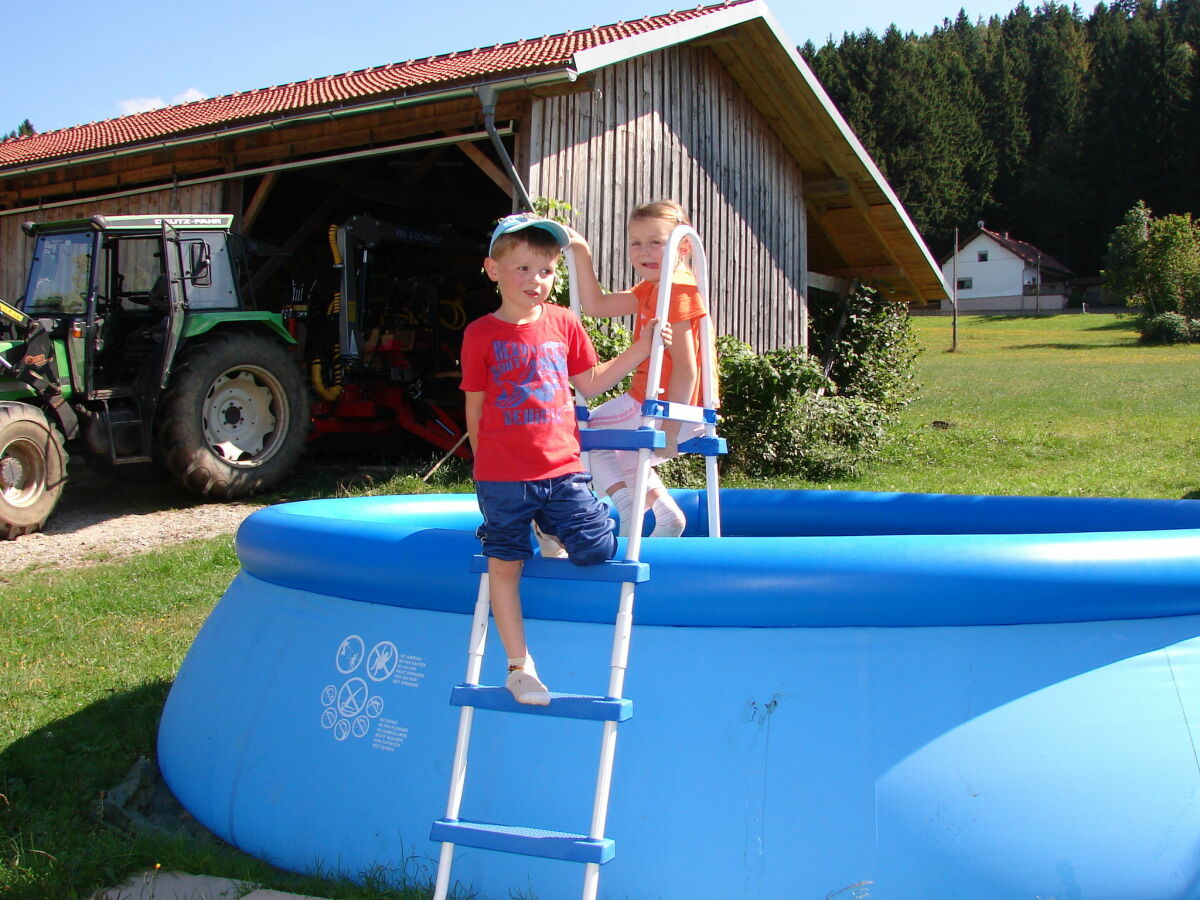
x=498 y=176
x=316 y=219
x=866 y=272
x=832 y=283
x=257 y=201
x=833 y=187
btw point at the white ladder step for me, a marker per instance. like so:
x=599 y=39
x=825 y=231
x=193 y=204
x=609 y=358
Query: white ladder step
x=613 y=571
x=525 y=840
x=563 y=706
x=679 y=412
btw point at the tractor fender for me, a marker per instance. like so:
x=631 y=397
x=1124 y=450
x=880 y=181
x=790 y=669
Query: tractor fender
x=198 y=323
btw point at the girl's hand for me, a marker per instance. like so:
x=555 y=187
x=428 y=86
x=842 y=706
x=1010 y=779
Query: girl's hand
x=578 y=241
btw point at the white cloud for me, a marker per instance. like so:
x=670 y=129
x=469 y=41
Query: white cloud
x=139 y=104
x=143 y=104
x=188 y=96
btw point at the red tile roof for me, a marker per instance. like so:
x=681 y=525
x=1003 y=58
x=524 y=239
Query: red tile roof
x=1027 y=252
x=413 y=77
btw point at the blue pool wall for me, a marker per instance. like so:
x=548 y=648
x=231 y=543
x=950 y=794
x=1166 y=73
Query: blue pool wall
x=932 y=694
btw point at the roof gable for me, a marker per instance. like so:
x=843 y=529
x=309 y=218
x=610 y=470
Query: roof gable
x=1021 y=249
x=415 y=76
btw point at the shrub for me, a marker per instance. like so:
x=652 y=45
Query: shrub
x=779 y=418
x=1165 y=328
x=1155 y=263
x=874 y=354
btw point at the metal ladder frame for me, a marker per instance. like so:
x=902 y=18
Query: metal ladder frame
x=613 y=708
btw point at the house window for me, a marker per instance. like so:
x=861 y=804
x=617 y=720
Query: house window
x=983 y=255
x=965 y=284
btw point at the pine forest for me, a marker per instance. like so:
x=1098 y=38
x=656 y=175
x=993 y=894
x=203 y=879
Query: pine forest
x=1048 y=124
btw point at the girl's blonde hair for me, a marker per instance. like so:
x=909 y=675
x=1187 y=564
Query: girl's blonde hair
x=668 y=211
x=662 y=209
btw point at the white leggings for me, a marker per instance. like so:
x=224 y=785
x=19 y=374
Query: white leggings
x=610 y=467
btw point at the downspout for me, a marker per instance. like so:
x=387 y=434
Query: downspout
x=487 y=97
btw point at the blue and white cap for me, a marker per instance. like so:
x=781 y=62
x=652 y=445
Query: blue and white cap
x=509 y=224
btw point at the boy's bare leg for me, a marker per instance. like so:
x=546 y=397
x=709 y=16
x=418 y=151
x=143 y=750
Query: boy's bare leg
x=504 y=585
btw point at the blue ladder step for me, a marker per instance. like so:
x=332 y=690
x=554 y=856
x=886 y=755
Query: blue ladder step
x=706 y=446
x=522 y=839
x=616 y=571
x=621 y=438
x=563 y=706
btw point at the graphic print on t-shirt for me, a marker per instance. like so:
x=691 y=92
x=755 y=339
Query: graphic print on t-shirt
x=529 y=373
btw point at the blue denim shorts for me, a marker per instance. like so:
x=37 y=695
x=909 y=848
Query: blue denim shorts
x=563 y=506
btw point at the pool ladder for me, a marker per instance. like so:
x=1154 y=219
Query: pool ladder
x=592 y=849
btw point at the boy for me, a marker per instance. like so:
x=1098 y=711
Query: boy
x=518 y=364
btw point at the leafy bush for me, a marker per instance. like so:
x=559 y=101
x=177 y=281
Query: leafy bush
x=779 y=417
x=1165 y=328
x=1155 y=263
x=873 y=355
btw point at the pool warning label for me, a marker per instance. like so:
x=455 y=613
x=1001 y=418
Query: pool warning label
x=352 y=707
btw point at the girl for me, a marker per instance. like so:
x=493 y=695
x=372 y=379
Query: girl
x=614 y=471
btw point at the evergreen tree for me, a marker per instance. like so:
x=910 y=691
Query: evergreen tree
x=24 y=129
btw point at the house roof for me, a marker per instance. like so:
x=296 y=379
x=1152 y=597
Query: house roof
x=1022 y=249
x=413 y=76
x=857 y=226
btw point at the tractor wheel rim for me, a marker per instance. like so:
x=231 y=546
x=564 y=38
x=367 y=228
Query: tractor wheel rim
x=22 y=472
x=245 y=416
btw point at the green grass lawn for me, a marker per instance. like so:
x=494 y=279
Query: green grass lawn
x=1066 y=405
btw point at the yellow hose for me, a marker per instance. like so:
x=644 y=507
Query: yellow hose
x=330 y=393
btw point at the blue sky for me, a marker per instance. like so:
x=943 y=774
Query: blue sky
x=75 y=61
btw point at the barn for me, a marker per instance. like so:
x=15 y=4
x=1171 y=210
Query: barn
x=711 y=106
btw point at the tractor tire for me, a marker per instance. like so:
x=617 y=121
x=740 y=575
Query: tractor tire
x=33 y=469
x=235 y=416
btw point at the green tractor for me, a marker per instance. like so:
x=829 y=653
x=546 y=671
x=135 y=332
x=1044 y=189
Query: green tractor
x=132 y=347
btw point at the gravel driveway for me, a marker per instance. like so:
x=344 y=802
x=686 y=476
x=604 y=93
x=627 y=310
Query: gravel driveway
x=98 y=520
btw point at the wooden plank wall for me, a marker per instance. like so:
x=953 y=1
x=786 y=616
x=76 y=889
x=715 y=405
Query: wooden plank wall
x=674 y=124
x=15 y=247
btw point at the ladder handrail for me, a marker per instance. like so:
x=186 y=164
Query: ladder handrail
x=708 y=381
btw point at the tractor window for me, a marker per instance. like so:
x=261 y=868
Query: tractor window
x=58 y=277
x=220 y=293
x=137 y=265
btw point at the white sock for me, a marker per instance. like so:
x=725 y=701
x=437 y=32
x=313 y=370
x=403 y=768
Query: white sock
x=669 y=520
x=523 y=682
x=523 y=662
x=622 y=499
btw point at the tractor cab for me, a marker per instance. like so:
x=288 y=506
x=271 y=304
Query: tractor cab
x=116 y=290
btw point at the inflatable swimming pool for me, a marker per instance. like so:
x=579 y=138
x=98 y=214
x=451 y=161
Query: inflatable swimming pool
x=847 y=695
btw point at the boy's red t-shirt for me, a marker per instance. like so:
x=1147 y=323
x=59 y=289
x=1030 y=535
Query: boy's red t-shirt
x=527 y=430
x=684 y=304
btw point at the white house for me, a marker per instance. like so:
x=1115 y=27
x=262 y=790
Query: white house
x=993 y=272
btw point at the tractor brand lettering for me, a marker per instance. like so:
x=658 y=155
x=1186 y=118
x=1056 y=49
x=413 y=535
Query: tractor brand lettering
x=420 y=237
x=33 y=361
x=189 y=220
